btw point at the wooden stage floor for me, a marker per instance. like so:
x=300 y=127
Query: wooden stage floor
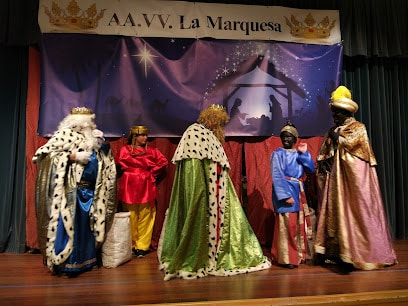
x=25 y=281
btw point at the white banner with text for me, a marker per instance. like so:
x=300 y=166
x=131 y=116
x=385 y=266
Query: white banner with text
x=180 y=19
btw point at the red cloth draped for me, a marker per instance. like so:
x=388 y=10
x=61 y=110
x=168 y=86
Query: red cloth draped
x=33 y=142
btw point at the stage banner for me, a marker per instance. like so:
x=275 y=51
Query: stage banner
x=164 y=83
x=180 y=19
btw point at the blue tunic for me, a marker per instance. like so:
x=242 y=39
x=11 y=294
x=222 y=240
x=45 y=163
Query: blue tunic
x=287 y=167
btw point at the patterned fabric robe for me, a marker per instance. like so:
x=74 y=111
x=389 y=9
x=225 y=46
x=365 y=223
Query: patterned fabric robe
x=352 y=223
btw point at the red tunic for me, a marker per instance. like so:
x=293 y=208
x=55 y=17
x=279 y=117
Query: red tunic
x=138 y=182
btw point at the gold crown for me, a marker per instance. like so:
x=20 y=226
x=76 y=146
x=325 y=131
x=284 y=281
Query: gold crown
x=309 y=28
x=216 y=107
x=139 y=130
x=74 y=17
x=81 y=111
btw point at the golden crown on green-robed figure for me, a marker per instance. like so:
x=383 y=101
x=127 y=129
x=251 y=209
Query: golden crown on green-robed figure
x=217 y=107
x=73 y=16
x=309 y=28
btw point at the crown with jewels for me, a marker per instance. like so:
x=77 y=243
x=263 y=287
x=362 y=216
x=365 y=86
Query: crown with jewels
x=81 y=110
x=216 y=107
x=73 y=16
x=309 y=28
x=139 y=130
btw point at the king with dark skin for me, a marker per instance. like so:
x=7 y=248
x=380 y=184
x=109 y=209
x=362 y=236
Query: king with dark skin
x=352 y=230
x=339 y=116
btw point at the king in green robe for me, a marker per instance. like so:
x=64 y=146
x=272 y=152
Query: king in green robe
x=205 y=231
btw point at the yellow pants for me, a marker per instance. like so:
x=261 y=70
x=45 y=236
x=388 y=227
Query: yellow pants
x=141 y=221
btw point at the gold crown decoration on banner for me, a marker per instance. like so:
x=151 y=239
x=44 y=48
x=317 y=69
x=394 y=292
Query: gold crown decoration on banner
x=73 y=17
x=81 y=110
x=309 y=28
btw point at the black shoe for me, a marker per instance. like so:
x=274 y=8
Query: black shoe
x=289 y=266
x=68 y=275
x=33 y=251
x=346 y=268
x=141 y=253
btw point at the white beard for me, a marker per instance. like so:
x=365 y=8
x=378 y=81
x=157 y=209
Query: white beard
x=91 y=142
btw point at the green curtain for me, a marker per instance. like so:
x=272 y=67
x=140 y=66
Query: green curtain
x=13 y=80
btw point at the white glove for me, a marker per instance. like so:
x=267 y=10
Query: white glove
x=82 y=157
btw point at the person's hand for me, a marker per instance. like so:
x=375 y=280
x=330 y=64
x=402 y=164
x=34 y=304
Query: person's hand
x=302 y=147
x=334 y=135
x=82 y=157
x=290 y=201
